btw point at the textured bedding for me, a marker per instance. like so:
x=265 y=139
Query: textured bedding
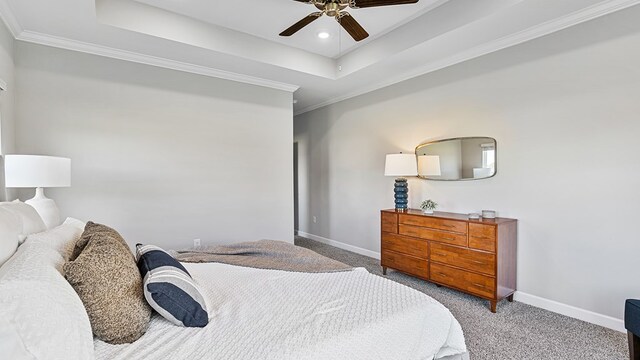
x=275 y=314
x=264 y=254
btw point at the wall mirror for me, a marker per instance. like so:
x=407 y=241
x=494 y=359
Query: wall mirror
x=467 y=158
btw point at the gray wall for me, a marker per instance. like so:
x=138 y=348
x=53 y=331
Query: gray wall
x=7 y=119
x=163 y=156
x=565 y=111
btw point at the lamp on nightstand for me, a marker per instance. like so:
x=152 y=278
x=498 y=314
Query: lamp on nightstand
x=401 y=165
x=34 y=171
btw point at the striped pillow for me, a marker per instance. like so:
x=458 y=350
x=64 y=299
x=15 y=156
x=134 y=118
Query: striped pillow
x=169 y=288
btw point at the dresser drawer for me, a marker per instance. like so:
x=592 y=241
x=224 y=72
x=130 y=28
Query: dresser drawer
x=434 y=235
x=464 y=258
x=476 y=284
x=434 y=223
x=389 y=222
x=482 y=237
x=405 y=263
x=405 y=245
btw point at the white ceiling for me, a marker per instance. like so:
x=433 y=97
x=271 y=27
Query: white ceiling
x=267 y=18
x=238 y=39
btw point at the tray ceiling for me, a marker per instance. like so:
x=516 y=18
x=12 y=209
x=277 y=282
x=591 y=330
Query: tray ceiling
x=267 y=18
x=238 y=40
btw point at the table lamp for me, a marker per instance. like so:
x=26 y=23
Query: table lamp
x=429 y=165
x=34 y=171
x=401 y=165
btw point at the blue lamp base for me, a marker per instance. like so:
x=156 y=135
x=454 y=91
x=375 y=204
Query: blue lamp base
x=401 y=194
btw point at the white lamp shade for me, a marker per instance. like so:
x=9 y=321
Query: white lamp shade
x=429 y=165
x=401 y=165
x=34 y=171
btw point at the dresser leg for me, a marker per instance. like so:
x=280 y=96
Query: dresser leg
x=384 y=270
x=510 y=298
x=634 y=346
x=494 y=304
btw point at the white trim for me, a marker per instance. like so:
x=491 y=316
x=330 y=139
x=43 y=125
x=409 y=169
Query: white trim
x=9 y=18
x=534 y=32
x=571 y=311
x=340 y=245
x=74 y=45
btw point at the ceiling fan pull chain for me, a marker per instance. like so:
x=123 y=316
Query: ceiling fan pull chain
x=339 y=40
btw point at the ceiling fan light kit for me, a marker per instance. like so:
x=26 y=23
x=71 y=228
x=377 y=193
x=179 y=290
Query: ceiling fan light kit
x=335 y=9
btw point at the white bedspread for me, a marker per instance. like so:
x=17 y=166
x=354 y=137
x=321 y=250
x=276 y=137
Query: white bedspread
x=272 y=314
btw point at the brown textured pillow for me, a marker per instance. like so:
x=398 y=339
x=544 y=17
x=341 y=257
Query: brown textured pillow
x=104 y=273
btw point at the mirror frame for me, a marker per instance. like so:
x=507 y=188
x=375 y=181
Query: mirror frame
x=460 y=138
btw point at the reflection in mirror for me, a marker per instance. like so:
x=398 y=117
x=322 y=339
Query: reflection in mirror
x=469 y=158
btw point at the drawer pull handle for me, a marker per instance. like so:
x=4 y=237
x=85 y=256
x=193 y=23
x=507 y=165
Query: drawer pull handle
x=448 y=226
x=478 y=285
x=447 y=238
x=441 y=254
x=477 y=262
x=483 y=237
x=442 y=274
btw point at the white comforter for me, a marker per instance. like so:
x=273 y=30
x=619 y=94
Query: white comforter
x=272 y=314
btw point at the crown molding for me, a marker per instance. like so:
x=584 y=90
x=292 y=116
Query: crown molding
x=74 y=45
x=589 y=13
x=534 y=32
x=8 y=17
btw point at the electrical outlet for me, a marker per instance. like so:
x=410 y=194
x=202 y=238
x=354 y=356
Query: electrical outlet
x=315 y=219
x=196 y=243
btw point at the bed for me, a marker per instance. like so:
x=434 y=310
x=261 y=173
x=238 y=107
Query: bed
x=273 y=314
x=256 y=314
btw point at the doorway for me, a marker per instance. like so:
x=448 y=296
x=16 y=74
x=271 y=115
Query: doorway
x=296 y=209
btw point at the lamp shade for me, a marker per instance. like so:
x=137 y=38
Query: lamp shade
x=35 y=171
x=400 y=165
x=429 y=165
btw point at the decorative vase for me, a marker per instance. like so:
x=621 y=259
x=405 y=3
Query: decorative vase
x=427 y=211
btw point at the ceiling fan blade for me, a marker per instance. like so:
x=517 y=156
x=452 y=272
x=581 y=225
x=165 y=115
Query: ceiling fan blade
x=300 y=24
x=373 y=3
x=350 y=24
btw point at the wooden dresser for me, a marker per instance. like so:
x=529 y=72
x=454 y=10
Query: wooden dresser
x=477 y=257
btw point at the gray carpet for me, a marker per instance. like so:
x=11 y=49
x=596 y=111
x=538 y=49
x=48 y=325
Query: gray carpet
x=516 y=331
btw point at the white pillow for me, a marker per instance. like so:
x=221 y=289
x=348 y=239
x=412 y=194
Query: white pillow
x=75 y=222
x=10 y=229
x=31 y=222
x=48 y=318
x=62 y=238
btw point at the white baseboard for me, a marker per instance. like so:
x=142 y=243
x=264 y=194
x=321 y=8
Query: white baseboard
x=539 y=302
x=571 y=311
x=340 y=245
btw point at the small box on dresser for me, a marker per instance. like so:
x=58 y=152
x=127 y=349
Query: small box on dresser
x=477 y=257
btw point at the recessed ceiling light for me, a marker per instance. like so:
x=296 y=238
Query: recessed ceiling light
x=323 y=35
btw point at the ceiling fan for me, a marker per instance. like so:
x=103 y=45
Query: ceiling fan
x=335 y=8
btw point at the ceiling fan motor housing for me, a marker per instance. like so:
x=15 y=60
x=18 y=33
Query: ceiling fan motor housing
x=331 y=8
